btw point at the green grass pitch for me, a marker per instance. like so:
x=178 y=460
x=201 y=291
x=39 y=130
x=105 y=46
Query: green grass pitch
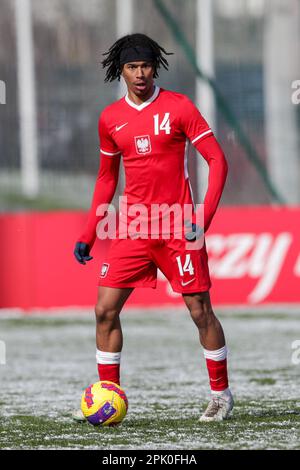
x=51 y=359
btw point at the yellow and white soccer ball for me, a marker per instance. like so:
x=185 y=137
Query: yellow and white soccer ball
x=104 y=404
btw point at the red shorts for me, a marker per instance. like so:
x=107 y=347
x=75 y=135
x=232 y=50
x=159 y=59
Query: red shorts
x=134 y=263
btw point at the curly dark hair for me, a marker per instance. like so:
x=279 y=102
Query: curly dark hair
x=112 y=61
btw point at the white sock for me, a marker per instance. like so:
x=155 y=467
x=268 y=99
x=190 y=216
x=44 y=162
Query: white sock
x=103 y=357
x=217 y=355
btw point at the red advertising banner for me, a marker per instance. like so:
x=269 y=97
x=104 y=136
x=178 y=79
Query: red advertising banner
x=254 y=259
x=255 y=255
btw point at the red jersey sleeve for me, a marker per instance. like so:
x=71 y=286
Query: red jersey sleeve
x=212 y=152
x=192 y=122
x=107 y=145
x=106 y=182
x=104 y=191
x=201 y=136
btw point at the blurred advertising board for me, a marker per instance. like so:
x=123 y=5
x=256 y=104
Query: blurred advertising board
x=254 y=259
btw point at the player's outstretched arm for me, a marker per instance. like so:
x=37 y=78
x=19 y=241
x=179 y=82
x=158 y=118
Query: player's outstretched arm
x=104 y=191
x=218 y=168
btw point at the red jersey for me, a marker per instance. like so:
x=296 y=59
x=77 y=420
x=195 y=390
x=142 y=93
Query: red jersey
x=153 y=139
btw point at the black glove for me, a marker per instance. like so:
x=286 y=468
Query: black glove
x=194 y=232
x=82 y=252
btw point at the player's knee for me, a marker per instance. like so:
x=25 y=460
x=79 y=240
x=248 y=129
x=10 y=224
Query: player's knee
x=202 y=315
x=105 y=314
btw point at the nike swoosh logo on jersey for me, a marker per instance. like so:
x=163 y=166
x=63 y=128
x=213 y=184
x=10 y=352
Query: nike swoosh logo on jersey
x=188 y=282
x=118 y=128
x=215 y=380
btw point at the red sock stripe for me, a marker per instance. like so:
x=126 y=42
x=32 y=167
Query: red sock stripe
x=217 y=372
x=109 y=372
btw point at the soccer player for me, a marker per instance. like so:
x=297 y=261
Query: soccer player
x=150 y=128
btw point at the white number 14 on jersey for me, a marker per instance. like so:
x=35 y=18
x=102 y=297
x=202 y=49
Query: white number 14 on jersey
x=164 y=126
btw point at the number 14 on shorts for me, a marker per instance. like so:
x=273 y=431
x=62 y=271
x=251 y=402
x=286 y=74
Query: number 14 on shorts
x=186 y=266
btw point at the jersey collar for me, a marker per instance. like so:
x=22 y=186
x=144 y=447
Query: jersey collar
x=141 y=106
